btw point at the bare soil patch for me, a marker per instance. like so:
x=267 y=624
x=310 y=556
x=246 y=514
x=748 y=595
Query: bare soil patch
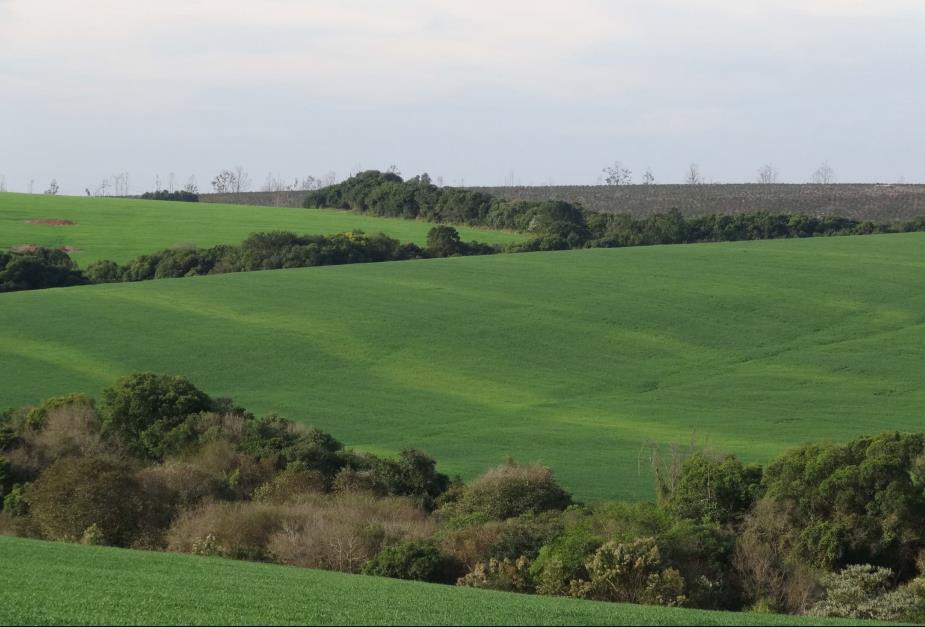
x=51 y=222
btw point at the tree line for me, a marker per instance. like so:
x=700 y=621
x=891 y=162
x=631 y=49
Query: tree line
x=44 y=268
x=558 y=225
x=823 y=530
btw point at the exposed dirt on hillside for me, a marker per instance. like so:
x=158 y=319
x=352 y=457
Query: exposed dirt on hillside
x=51 y=222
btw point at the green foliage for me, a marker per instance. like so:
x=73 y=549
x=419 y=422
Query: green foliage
x=714 y=491
x=860 y=502
x=511 y=490
x=310 y=449
x=149 y=412
x=37 y=269
x=415 y=560
x=16 y=502
x=413 y=474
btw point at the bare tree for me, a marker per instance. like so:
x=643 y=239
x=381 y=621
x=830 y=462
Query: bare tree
x=2 y=183
x=617 y=174
x=170 y=181
x=693 y=175
x=31 y=185
x=767 y=174
x=648 y=178
x=191 y=186
x=824 y=175
x=52 y=188
x=242 y=180
x=393 y=169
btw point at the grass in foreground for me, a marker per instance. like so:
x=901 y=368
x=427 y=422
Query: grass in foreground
x=121 y=228
x=576 y=359
x=52 y=583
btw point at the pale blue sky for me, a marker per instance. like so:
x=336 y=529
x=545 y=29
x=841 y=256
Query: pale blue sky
x=472 y=91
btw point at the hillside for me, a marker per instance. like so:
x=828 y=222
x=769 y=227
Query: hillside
x=123 y=228
x=54 y=583
x=748 y=347
x=879 y=203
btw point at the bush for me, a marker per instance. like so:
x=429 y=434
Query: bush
x=865 y=592
x=413 y=474
x=715 y=491
x=234 y=530
x=860 y=502
x=290 y=486
x=418 y=560
x=76 y=493
x=345 y=531
x=630 y=573
x=149 y=412
x=506 y=575
x=38 y=269
x=511 y=490
x=184 y=485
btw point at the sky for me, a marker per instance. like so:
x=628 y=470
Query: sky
x=476 y=92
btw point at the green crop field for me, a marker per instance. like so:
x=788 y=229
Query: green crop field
x=54 y=583
x=576 y=359
x=122 y=228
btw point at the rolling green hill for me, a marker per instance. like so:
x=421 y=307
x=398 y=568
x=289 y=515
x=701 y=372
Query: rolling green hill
x=122 y=228
x=53 y=583
x=576 y=358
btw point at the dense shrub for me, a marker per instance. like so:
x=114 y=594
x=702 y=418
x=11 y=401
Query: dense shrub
x=510 y=490
x=630 y=573
x=38 y=269
x=419 y=560
x=345 y=531
x=235 y=530
x=714 y=491
x=414 y=475
x=292 y=485
x=180 y=195
x=866 y=592
x=149 y=412
x=859 y=502
x=77 y=493
x=506 y=575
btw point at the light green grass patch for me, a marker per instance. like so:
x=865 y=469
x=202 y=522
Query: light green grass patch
x=577 y=359
x=122 y=228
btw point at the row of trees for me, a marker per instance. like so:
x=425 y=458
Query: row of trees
x=768 y=174
x=826 y=530
x=559 y=225
x=41 y=268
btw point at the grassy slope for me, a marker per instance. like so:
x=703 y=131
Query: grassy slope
x=573 y=358
x=51 y=583
x=119 y=229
